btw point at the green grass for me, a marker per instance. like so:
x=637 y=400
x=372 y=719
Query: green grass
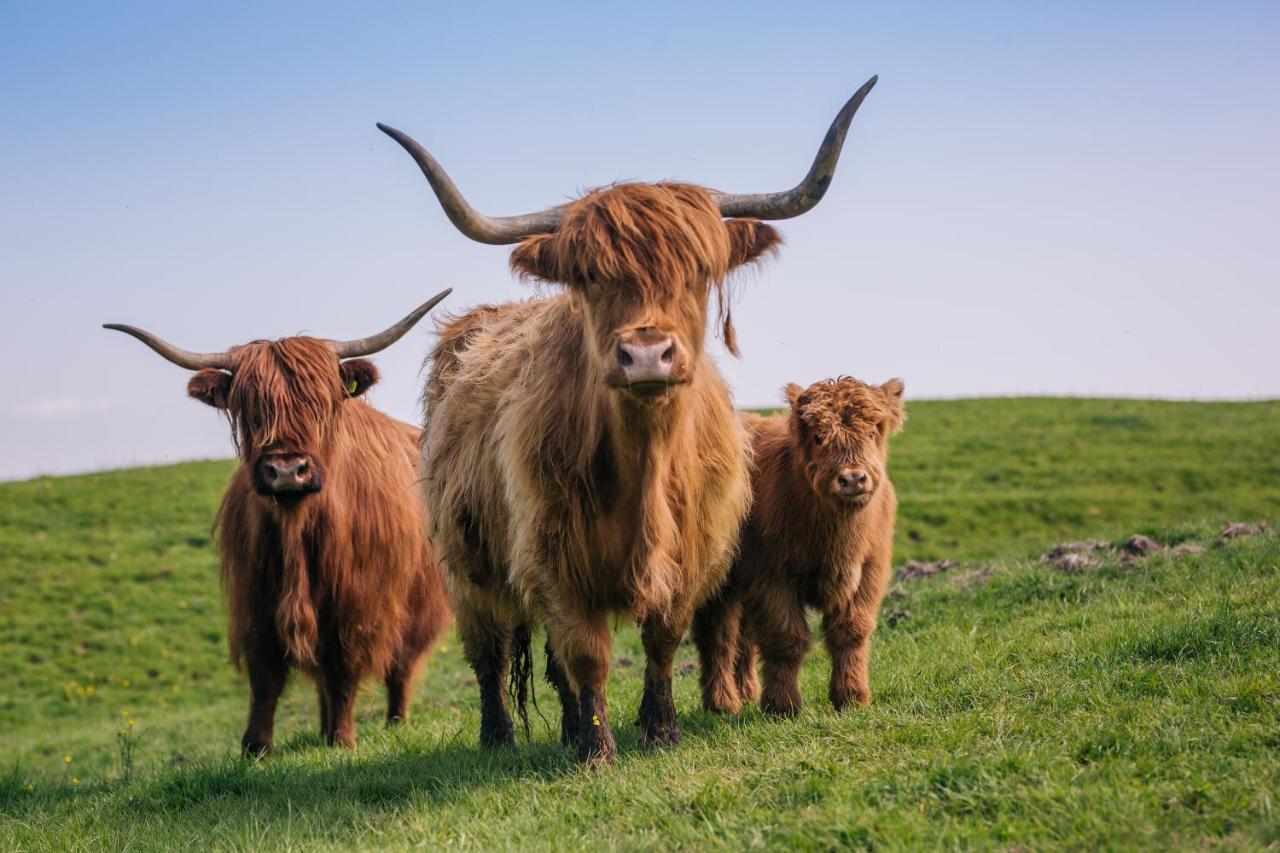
x=1120 y=707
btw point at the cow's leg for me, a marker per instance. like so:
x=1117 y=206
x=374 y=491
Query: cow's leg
x=399 y=683
x=341 y=686
x=778 y=625
x=583 y=645
x=744 y=668
x=715 y=631
x=657 y=717
x=847 y=633
x=559 y=679
x=268 y=671
x=486 y=642
x=326 y=713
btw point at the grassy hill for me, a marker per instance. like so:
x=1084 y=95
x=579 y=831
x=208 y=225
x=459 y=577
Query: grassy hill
x=1015 y=703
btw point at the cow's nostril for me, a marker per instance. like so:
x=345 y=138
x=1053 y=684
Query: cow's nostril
x=301 y=467
x=669 y=354
x=624 y=357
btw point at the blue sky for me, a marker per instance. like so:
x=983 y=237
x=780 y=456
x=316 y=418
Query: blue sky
x=1037 y=198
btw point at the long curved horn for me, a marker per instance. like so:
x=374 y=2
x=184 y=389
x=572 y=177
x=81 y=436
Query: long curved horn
x=177 y=355
x=384 y=339
x=495 y=230
x=805 y=195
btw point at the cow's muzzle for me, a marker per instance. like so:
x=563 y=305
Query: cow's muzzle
x=286 y=476
x=647 y=363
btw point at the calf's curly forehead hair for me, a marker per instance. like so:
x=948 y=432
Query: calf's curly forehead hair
x=846 y=406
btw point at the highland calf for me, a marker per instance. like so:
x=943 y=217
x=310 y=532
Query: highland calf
x=322 y=535
x=820 y=534
x=581 y=455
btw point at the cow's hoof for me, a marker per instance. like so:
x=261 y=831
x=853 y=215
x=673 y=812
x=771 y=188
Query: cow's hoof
x=597 y=749
x=660 y=737
x=254 y=748
x=783 y=707
x=497 y=735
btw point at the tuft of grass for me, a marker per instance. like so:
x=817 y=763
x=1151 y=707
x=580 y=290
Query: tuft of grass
x=1015 y=705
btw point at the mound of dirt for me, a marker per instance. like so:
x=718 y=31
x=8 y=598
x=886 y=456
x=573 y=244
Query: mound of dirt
x=1236 y=529
x=1073 y=557
x=1138 y=547
x=912 y=569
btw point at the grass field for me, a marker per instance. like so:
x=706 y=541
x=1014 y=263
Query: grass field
x=1017 y=706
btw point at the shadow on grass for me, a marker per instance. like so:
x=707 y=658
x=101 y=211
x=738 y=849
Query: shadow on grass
x=316 y=786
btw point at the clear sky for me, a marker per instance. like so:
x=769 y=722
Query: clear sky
x=1038 y=198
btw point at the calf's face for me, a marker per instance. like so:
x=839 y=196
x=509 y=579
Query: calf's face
x=283 y=399
x=840 y=428
x=641 y=261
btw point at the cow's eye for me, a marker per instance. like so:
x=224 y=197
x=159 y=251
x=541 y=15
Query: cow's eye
x=817 y=440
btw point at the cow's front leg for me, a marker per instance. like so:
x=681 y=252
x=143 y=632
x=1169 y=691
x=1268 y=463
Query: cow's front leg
x=657 y=717
x=559 y=679
x=582 y=643
x=268 y=671
x=486 y=642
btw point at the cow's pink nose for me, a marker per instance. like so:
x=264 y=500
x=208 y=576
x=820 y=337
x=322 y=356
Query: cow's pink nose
x=647 y=361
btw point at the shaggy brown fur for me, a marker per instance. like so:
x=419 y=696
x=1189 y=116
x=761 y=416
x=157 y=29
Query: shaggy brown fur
x=339 y=582
x=560 y=498
x=809 y=540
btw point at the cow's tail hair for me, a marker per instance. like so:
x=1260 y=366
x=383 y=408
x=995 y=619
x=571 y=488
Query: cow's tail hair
x=520 y=686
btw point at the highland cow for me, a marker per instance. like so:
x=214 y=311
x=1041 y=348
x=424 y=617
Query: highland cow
x=581 y=454
x=325 y=562
x=820 y=535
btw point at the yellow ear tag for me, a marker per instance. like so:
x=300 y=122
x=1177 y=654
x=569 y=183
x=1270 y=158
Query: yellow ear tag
x=351 y=387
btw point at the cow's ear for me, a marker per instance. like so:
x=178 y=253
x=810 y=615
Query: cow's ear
x=893 y=391
x=537 y=257
x=793 y=392
x=749 y=239
x=358 y=375
x=210 y=386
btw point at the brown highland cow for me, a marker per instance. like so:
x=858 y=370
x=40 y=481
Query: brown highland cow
x=581 y=455
x=325 y=561
x=820 y=534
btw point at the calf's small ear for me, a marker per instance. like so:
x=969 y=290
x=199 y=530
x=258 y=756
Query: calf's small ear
x=358 y=375
x=893 y=391
x=793 y=392
x=749 y=239
x=210 y=386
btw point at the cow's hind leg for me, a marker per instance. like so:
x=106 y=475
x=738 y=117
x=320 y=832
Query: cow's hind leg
x=486 y=641
x=657 y=717
x=744 y=668
x=399 y=682
x=341 y=686
x=268 y=671
x=715 y=631
x=326 y=714
x=778 y=624
x=559 y=679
